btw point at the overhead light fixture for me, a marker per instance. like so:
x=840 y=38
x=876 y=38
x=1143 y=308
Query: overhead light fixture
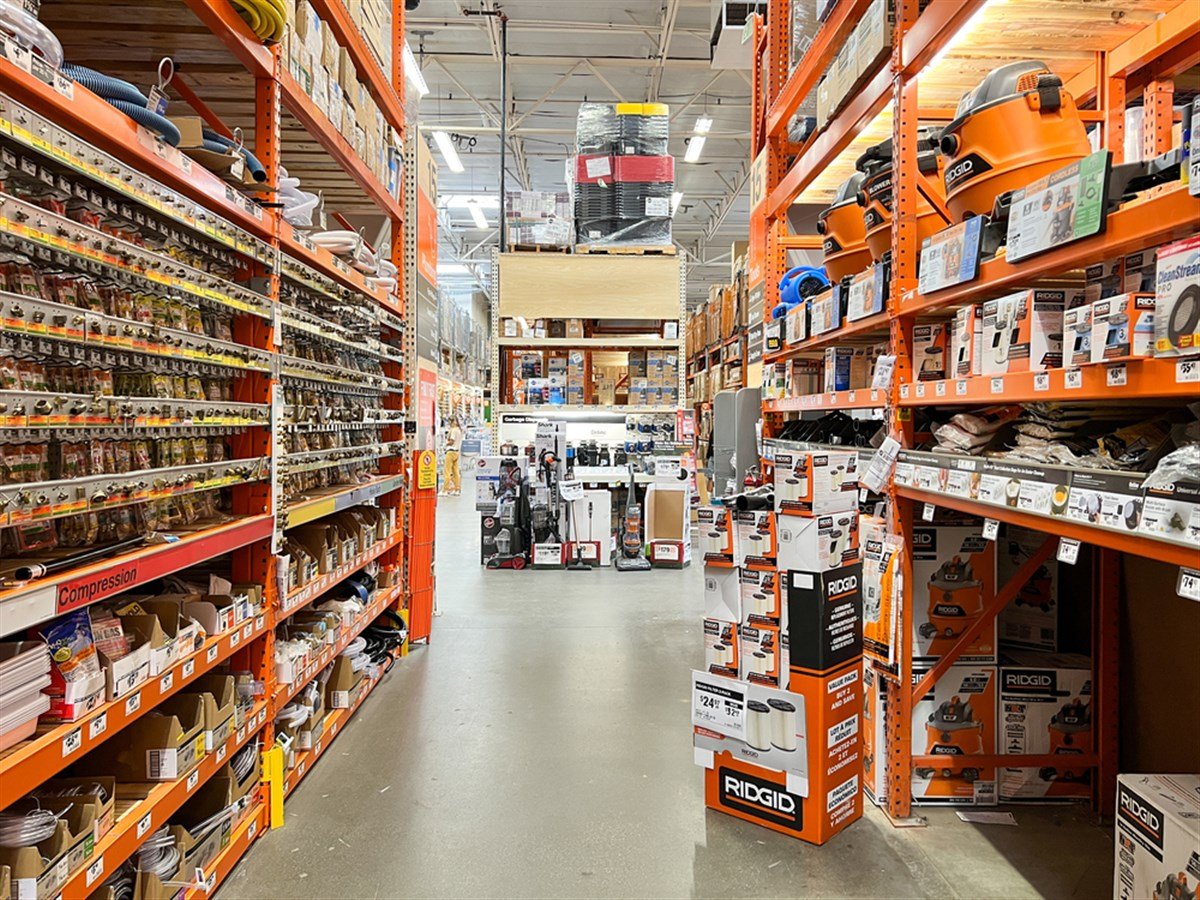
x=477 y=214
x=703 y=125
x=694 y=148
x=413 y=72
x=462 y=201
x=449 y=153
x=675 y=198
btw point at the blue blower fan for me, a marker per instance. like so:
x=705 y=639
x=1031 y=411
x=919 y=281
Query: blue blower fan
x=797 y=284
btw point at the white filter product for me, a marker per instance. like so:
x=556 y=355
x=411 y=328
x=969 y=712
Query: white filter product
x=794 y=487
x=758 y=725
x=762 y=604
x=783 y=724
x=728 y=656
x=758 y=662
x=716 y=655
x=712 y=542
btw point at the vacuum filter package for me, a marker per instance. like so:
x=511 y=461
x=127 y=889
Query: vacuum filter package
x=1177 y=299
x=1157 y=837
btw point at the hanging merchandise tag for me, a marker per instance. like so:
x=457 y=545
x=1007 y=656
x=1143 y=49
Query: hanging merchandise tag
x=1188 y=585
x=880 y=467
x=885 y=368
x=1068 y=551
x=1041 y=381
x=927 y=512
x=1073 y=379
x=991 y=527
x=157 y=95
x=570 y=490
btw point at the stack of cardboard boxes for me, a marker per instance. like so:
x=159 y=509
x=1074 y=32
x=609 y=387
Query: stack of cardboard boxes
x=323 y=546
x=326 y=72
x=653 y=378
x=857 y=60
x=539 y=218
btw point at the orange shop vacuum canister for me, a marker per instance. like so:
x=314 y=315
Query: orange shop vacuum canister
x=878 y=189
x=844 y=238
x=1016 y=126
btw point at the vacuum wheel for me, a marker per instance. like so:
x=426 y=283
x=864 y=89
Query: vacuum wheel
x=922 y=772
x=1046 y=773
x=949 y=632
x=518 y=562
x=971 y=775
x=928 y=631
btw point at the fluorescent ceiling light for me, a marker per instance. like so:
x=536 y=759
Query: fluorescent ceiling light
x=413 y=72
x=477 y=214
x=703 y=125
x=675 y=198
x=462 y=201
x=694 y=148
x=449 y=153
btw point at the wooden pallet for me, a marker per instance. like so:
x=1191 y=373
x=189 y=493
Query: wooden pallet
x=627 y=249
x=538 y=248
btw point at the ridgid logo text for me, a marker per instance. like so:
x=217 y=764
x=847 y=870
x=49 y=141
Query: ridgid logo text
x=761 y=799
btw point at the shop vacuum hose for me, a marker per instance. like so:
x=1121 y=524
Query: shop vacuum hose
x=125 y=97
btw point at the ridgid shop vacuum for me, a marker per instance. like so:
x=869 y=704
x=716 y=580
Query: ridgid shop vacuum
x=632 y=558
x=876 y=196
x=953 y=730
x=1070 y=733
x=843 y=235
x=955 y=600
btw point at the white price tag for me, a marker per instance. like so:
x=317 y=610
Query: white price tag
x=317 y=748
x=997 y=385
x=1187 y=371
x=211 y=655
x=1115 y=376
x=166 y=682
x=960 y=388
x=851 y=397
x=221 y=753
x=927 y=512
x=991 y=527
x=188 y=668
x=1073 y=380
x=94 y=871
x=1041 y=381
x=333 y=729
x=97 y=726
x=144 y=824
x=719 y=704
x=940 y=389
x=252 y=830
x=240 y=734
x=72 y=742
x=920 y=389
x=133 y=703
x=1188 y=585
x=193 y=779
x=904 y=392
x=235 y=639
x=247 y=629
x=863 y=494
x=1068 y=551
x=258 y=623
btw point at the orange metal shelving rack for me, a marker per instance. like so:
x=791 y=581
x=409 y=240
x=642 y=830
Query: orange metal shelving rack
x=250 y=540
x=1145 y=61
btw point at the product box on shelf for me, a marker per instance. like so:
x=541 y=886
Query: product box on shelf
x=1172 y=511
x=162 y=747
x=796 y=324
x=1110 y=499
x=815 y=483
x=756 y=534
x=760 y=594
x=219 y=693
x=1031 y=618
x=956 y=718
x=1157 y=836
x=763 y=653
x=882 y=587
x=1177 y=299
x=721 y=644
x=929 y=351
x=824 y=314
x=40 y=870
x=722 y=590
x=954 y=575
x=714 y=524
x=966 y=341
x=344 y=684
x=837 y=368
x=818 y=543
x=1077 y=335
x=1045 y=708
x=1023 y=332
x=824 y=619
x=1122 y=328
x=866 y=296
x=874 y=735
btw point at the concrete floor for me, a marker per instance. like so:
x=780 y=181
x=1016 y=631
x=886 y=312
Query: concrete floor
x=540 y=747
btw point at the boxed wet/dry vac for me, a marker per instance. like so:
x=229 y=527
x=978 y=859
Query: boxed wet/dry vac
x=1122 y=328
x=1157 y=837
x=954 y=575
x=721 y=646
x=1023 y=332
x=809 y=483
x=843 y=235
x=876 y=194
x=1031 y=619
x=874 y=735
x=957 y=718
x=929 y=345
x=818 y=543
x=1014 y=127
x=1177 y=299
x=966 y=341
x=1046 y=708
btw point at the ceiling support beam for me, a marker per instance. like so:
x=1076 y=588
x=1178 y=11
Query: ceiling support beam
x=696 y=96
x=670 y=13
x=608 y=84
x=537 y=104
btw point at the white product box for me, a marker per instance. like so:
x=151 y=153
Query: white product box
x=1172 y=512
x=1046 y=708
x=966 y=341
x=818 y=544
x=930 y=345
x=1031 y=619
x=760 y=595
x=714 y=526
x=1157 y=837
x=1077 y=336
x=492 y=480
x=866 y=299
x=721 y=593
x=755 y=534
x=823 y=314
x=1122 y=328
x=874 y=739
x=796 y=324
x=1110 y=499
x=837 y=368
x=953 y=574
x=816 y=483
x=721 y=646
x=763 y=654
x=957 y=718
x=1177 y=299
x=1023 y=332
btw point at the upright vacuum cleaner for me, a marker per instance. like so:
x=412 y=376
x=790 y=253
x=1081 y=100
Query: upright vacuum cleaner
x=632 y=559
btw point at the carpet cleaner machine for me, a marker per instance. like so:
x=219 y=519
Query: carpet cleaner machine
x=1070 y=733
x=632 y=557
x=953 y=730
x=955 y=600
x=513 y=512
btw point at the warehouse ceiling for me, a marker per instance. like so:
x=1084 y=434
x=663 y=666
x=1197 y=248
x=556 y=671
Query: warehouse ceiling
x=560 y=53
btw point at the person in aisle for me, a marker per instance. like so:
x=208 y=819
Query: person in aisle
x=451 y=478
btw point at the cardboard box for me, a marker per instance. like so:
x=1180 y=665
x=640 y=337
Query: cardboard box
x=1023 y=332
x=1177 y=299
x=760 y=595
x=882 y=555
x=721 y=644
x=755 y=534
x=1031 y=619
x=721 y=594
x=1046 y=707
x=874 y=33
x=574 y=328
x=763 y=653
x=824 y=619
x=837 y=368
x=162 y=747
x=1122 y=328
x=954 y=574
x=930 y=345
x=1077 y=336
x=341 y=690
x=816 y=483
x=874 y=735
x=103 y=804
x=219 y=693
x=956 y=719
x=1157 y=835
x=714 y=524
x=966 y=341
x=818 y=543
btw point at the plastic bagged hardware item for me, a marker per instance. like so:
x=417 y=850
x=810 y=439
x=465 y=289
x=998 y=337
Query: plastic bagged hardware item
x=1016 y=126
x=843 y=234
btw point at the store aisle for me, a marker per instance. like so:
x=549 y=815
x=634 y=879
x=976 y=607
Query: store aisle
x=540 y=747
